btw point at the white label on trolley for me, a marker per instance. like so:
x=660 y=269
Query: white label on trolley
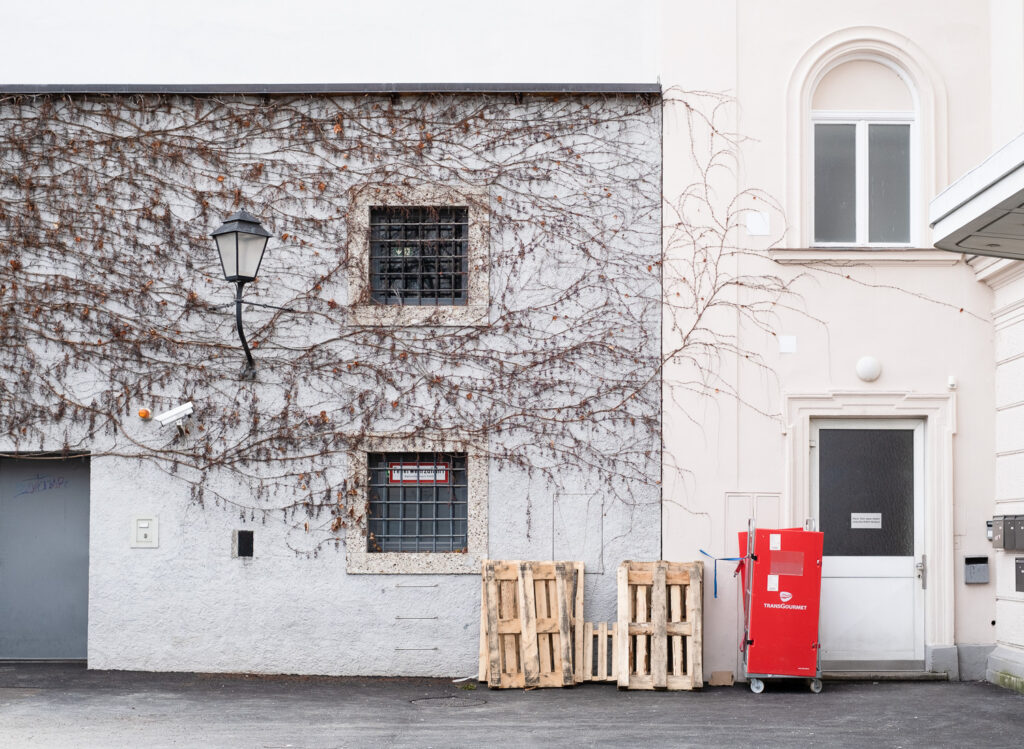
x=774 y=541
x=773 y=583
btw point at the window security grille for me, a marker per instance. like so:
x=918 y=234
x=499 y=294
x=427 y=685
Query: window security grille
x=418 y=254
x=418 y=502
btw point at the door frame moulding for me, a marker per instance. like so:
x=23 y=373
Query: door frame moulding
x=939 y=414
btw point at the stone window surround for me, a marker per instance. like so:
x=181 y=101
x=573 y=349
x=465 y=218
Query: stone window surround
x=359 y=561
x=474 y=311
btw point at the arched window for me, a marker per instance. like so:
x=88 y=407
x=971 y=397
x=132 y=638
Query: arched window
x=866 y=143
x=864 y=156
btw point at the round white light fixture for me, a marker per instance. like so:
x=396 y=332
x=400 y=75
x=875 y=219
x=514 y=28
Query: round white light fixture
x=869 y=368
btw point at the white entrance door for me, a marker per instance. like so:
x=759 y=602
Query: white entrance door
x=867 y=495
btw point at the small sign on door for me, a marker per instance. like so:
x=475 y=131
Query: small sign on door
x=866 y=520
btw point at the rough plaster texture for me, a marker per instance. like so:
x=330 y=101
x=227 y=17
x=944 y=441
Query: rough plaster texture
x=191 y=605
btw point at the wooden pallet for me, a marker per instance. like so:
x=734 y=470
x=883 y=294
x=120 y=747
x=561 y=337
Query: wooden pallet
x=659 y=636
x=528 y=617
x=599 y=661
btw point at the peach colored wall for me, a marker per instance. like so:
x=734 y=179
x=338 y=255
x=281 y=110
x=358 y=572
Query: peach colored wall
x=922 y=313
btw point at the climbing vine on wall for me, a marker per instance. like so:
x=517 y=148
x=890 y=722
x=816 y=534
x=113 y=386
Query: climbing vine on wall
x=112 y=297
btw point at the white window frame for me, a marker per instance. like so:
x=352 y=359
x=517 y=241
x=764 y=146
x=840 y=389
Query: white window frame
x=360 y=561
x=363 y=311
x=862 y=119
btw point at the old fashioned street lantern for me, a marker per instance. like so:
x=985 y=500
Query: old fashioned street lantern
x=241 y=242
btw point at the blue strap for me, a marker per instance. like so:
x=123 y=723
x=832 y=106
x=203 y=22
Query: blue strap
x=717 y=560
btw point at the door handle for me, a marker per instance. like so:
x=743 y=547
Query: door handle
x=922 y=571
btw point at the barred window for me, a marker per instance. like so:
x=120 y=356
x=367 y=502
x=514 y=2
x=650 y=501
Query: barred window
x=418 y=254
x=417 y=502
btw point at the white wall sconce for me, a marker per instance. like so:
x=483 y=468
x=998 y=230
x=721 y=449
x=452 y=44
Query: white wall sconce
x=869 y=368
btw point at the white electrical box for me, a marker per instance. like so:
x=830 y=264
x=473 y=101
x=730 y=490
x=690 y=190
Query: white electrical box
x=145 y=532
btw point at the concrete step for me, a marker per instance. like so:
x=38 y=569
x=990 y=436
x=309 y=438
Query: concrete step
x=884 y=676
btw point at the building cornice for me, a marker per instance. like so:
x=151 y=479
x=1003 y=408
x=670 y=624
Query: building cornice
x=332 y=88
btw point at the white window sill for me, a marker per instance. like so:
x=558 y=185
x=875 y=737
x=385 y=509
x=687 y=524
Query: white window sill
x=412 y=563
x=864 y=255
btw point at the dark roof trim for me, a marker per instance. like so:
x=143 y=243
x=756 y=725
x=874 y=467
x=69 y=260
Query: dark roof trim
x=336 y=88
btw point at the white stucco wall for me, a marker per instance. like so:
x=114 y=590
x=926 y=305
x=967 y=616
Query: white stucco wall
x=293 y=608
x=922 y=313
x=190 y=606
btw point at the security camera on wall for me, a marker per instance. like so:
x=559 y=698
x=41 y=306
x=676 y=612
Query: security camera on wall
x=175 y=414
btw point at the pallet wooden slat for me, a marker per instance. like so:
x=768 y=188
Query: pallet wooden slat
x=695 y=643
x=577 y=597
x=494 y=670
x=659 y=617
x=528 y=618
x=482 y=669
x=564 y=626
x=622 y=638
x=658 y=642
x=639 y=643
x=675 y=614
x=531 y=624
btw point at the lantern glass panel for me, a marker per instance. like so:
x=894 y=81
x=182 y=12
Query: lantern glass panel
x=250 y=252
x=226 y=246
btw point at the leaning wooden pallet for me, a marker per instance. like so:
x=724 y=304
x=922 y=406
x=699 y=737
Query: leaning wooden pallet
x=528 y=618
x=660 y=631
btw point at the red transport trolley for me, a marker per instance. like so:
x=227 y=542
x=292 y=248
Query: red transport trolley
x=781 y=574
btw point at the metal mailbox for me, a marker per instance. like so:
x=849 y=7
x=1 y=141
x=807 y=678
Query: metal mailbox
x=998 y=523
x=1020 y=574
x=1013 y=533
x=975 y=570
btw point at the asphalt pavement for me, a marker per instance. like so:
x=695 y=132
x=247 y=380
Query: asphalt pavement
x=61 y=705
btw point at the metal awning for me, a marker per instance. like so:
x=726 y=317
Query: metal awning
x=982 y=213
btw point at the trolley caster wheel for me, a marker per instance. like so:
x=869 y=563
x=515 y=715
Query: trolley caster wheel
x=756 y=686
x=816 y=686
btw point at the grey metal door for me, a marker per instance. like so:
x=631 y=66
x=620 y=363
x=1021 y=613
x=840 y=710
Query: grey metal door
x=44 y=558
